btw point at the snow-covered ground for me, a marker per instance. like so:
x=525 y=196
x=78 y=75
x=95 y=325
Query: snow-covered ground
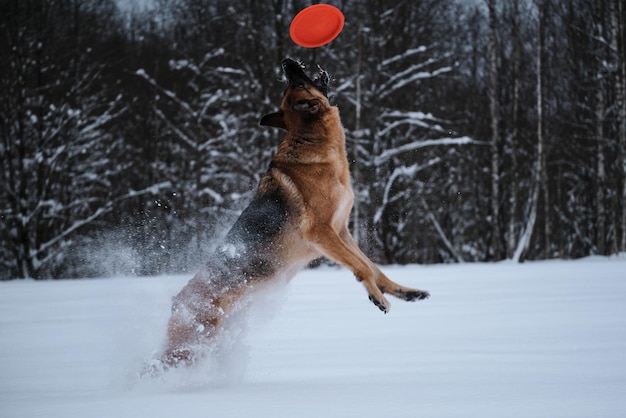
x=542 y=339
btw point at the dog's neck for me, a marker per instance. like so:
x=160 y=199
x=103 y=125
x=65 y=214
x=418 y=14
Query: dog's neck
x=328 y=125
x=302 y=143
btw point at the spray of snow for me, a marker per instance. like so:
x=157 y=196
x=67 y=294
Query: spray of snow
x=224 y=361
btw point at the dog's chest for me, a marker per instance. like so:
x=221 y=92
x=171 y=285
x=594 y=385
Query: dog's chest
x=344 y=200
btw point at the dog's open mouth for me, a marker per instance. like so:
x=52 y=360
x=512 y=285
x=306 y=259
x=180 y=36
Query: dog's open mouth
x=294 y=71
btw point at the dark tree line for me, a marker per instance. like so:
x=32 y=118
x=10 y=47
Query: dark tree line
x=129 y=140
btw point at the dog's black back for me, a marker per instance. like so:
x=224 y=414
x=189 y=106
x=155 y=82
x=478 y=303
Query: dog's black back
x=263 y=219
x=246 y=252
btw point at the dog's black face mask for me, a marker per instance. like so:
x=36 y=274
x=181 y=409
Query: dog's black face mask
x=303 y=97
x=294 y=71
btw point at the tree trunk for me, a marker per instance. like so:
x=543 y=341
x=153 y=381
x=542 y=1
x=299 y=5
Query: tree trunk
x=547 y=219
x=356 y=174
x=600 y=171
x=495 y=157
x=514 y=134
x=618 y=50
x=524 y=242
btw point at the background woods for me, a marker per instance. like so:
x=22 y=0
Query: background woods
x=129 y=138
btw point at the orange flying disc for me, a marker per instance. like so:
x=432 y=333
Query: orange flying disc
x=316 y=25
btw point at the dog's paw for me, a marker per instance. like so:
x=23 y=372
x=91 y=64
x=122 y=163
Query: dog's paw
x=414 y=295
x=152 y=369
x=383 y=305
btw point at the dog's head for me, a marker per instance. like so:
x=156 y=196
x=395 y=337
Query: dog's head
x=304 y=100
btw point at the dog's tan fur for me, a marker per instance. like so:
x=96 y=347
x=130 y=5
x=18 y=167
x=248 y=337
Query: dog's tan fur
x=300 y=213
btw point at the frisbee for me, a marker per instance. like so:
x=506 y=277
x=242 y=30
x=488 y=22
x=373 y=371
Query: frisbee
x=316 y=25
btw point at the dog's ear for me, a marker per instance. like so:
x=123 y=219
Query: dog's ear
x=275 y=120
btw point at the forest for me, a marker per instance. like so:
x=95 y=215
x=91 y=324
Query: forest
x=477 y=131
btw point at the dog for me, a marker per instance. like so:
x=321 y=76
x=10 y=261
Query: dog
x=299 y=213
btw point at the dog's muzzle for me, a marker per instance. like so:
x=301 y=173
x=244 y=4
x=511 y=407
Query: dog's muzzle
x=294 y=71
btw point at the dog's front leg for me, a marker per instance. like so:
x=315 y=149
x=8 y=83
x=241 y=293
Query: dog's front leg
x=329 y=243
x=384 y=283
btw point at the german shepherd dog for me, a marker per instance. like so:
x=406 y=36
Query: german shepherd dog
x=299 y=213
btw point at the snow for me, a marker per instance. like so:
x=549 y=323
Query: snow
x=541 y=339
x=412 y=146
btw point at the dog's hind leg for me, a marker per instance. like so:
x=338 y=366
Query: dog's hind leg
x=197 y=314
x=326 y=239
x=384 y=283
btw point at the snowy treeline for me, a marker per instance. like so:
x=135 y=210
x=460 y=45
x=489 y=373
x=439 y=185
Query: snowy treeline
x=129 y=139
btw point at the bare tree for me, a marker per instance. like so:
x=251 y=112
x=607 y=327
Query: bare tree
x=514 y=136
x=539 y=175
x=600 y=113
x=618 y=53
x=495 y=134
x=60 y=155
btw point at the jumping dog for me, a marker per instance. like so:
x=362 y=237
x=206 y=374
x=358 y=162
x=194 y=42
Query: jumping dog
x=299 y=213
